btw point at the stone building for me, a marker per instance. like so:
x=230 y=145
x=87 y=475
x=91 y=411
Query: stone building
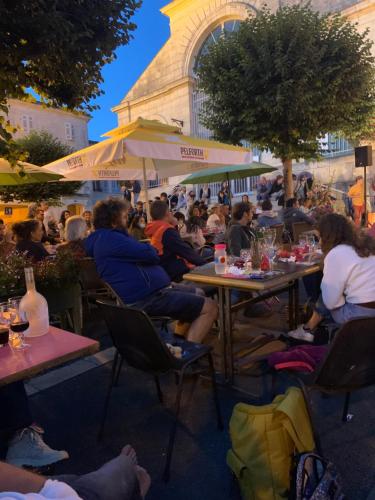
x=166 y=90
x=69 y=128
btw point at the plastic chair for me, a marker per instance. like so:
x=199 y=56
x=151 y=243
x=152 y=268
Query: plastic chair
x=349 y=364
x=137 y=341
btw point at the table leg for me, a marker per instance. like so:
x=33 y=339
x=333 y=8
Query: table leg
x=222 y=335
x=296 y=302
x=228 y=333
x=291 y=306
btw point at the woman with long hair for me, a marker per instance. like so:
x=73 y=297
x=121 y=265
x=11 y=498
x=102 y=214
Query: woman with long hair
x=193 y=231
x=65 y=214
x=137 y=227
x=28 y=235
x=348 y=285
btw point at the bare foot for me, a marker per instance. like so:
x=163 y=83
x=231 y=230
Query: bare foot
x=129 y=451
x=143 y=479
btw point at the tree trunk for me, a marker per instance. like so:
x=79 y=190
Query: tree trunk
x=288 y=179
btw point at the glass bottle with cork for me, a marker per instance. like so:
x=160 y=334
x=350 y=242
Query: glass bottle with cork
x=35 y=306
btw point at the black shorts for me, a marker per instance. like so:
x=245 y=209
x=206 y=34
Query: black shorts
x=183 y=305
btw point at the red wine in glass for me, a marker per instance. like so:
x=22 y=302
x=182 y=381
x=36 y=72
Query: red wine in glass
x=4 y=336
x=19 y=326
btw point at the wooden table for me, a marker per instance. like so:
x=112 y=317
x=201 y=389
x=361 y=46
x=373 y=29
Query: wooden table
x=288 y=281
x=50 y=350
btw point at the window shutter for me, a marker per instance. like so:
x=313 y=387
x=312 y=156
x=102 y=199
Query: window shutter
x=69 y=132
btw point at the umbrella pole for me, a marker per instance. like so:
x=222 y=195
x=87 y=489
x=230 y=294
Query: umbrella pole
x=146 y=189
x=229 y=191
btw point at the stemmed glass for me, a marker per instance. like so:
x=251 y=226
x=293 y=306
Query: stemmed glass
x=302 y=241
x=311 y=242
x=271 y=251
x=270 y=236
x=18 y=323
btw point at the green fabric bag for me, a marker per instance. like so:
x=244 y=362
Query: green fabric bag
x=264 y=440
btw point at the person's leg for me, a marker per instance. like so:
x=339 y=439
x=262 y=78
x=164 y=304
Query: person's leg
x=203 y=324
x=187 y=287
x=314 y=321
x=201 y=312
x=312 y=285
x=358 y=211
x=306 y=332
x=22 y=438
x=19 y=480
x=118 y=478
x=15 y=412
x=351 y=311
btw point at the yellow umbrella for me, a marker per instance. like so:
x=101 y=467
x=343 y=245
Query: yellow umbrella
x=144 y=149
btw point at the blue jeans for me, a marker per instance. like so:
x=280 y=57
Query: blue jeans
x=344 y=313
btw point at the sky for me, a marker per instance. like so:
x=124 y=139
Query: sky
x=132 y=59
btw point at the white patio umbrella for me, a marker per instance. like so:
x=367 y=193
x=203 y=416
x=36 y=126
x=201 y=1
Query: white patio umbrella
x=144 y=149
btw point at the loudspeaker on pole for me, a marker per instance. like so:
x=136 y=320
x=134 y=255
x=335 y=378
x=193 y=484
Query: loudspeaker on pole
x=363 y=156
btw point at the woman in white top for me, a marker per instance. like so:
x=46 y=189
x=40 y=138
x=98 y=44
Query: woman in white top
x=216 y=221
x=348 y=285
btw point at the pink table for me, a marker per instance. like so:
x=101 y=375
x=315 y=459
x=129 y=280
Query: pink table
x=50 y=350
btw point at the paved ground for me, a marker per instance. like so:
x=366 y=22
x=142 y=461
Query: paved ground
x=70 y=412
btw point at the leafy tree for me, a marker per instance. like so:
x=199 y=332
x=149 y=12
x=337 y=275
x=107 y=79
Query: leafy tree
x=58 y=48
x=286 y=79
x=41 y=148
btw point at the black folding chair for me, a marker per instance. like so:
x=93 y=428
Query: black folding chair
x=91 y=284
x=349 y=364
x=138 y=342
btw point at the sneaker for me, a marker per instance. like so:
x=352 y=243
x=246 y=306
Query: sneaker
x=301 y=334
x=28 y=448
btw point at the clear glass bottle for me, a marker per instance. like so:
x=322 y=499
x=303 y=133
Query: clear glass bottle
x=35 y=306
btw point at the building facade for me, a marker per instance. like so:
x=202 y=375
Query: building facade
x=166 y=90
x=69 y=128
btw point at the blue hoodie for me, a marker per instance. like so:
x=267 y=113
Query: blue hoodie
x=131 y=268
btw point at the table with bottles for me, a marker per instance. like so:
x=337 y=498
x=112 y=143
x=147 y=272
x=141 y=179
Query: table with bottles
x=282 y=275
x=28 y=344
x=48 y=351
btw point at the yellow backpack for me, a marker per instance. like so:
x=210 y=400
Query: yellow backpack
x=264 y=440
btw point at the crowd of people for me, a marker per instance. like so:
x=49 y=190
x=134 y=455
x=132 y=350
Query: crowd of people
x=144 y=254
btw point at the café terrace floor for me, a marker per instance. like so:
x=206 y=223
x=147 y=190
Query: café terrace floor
x=68 y=403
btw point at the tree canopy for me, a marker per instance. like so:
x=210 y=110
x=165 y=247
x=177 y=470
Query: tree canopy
x=58 y=48
x=41 y=148
x=285 y=79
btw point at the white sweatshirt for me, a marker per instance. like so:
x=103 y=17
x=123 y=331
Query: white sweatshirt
x=52 y=489
x=347 y=277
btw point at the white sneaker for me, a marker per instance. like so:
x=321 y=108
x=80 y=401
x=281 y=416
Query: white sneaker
x=301 y=334
x=28 y=448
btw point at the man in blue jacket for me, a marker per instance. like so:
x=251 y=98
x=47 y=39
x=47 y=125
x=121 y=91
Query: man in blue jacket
x=133 y=271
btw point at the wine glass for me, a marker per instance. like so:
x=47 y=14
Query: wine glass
x=4 y=325
x=311 y=242
x=270 y=236
x=302 y=241
x=18 y=323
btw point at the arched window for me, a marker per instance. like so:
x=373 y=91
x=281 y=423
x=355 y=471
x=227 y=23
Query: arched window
x=221 y=30
x=224 y=28
x=240 y=186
